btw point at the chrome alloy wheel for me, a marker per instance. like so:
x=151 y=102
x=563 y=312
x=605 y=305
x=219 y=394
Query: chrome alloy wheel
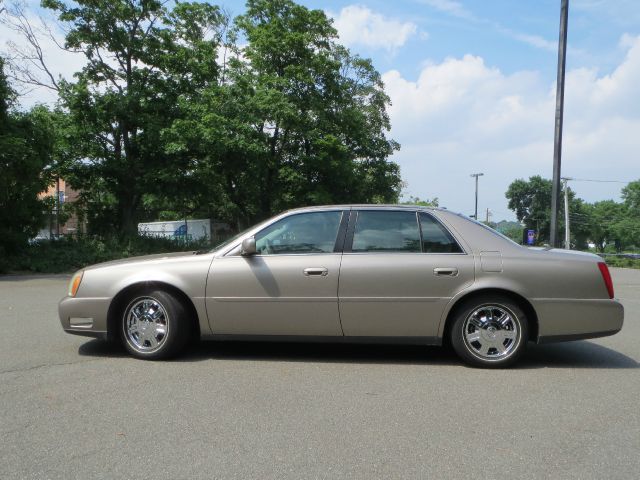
x=146 y=324
x=491 y=332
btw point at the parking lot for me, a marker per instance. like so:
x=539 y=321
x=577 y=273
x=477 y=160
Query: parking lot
x=74 y=407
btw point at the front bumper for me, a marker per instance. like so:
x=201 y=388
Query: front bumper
x=84 y=316
x=561 y=319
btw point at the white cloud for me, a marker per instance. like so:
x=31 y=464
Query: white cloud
x=451 y=7
x=461 y=116
x=357 y=25
x=536 y=41
x=457 y=9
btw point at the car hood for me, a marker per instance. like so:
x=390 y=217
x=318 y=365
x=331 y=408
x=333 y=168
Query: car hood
x=159 y=257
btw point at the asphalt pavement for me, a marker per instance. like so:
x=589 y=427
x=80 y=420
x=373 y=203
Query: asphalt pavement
x=77 y=408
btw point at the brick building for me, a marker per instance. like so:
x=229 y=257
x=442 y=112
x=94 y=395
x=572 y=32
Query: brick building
x=67 y=196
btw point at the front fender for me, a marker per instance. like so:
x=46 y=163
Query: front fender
x=187 y=274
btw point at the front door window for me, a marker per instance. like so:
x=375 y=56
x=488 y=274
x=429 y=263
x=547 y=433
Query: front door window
x=313 y=232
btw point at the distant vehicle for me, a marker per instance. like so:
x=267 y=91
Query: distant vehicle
x=361 y=273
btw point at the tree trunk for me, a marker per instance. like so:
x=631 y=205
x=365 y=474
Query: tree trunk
x=267 y=189
x=128 y=213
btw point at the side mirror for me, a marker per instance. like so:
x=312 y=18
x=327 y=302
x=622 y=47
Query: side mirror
x=248 y=247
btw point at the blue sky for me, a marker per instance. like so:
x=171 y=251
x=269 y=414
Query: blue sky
x=472 y=85
x=473 y=89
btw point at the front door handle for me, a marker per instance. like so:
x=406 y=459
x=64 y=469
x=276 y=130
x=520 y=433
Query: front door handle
x=445 y=272
x=316 y=272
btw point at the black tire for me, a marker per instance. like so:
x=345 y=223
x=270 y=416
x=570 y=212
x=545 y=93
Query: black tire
x=481 y=340
x=154 y=325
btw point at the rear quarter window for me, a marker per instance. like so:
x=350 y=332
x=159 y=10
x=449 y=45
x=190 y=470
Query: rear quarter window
x=435 y=237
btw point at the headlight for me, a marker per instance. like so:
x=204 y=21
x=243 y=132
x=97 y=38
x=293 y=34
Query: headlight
x=75 y=283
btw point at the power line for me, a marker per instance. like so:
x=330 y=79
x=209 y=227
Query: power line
x=594 y=180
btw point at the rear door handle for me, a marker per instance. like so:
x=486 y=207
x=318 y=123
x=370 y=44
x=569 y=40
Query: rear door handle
x=316 y=272
x=445 y=272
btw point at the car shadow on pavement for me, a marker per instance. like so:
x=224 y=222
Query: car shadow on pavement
x=577 y=354
x=292 y=352
x=102 y=348
x=580 y=354
x=322 y=353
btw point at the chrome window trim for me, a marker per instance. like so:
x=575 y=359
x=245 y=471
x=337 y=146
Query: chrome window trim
x=283 y=255
x=401 y=253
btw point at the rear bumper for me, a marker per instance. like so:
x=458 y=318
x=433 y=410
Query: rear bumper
x=84 y=316
x=576 y=319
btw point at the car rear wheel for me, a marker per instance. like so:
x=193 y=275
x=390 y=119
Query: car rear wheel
x=154 y=325
x=489 y=332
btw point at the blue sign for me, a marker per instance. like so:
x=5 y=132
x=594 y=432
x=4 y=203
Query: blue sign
x=531 y=237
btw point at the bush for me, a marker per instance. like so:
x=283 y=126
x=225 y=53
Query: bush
x=622 y=262
x=70 y=254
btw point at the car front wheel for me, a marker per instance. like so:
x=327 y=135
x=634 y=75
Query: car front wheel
x=154 y=325
x=489 y=332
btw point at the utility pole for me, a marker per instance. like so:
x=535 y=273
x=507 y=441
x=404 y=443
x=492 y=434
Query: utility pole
x=57 y=207
x=476 y=175
x=567 y=236
x=557 y=142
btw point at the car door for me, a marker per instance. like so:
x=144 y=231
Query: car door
x=289 y=287
x=399 y=270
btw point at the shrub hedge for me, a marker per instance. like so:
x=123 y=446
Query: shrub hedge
x=70 y=254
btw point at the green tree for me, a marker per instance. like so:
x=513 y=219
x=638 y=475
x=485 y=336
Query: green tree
x=531 y=201
x=627 y=234
x=631 y=197
x=298 y=121
x=154 y=126
x=602 y=218
x=513 y=230
x=322 y=111
x=433 y=202
x=143 y=57
x=26 y=143
x=627 y=228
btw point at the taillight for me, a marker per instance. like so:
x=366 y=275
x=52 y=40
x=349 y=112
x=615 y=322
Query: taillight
x=606 y=276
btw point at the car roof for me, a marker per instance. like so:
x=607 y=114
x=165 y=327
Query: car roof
x=376 y=206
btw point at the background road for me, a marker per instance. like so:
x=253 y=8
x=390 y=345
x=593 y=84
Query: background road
x=73 y=407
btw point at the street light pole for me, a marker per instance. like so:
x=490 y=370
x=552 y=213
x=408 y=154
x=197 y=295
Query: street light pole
x=476 y=175
x=557 y=142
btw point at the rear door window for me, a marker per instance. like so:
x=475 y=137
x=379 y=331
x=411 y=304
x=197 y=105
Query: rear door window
x=386 y=231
